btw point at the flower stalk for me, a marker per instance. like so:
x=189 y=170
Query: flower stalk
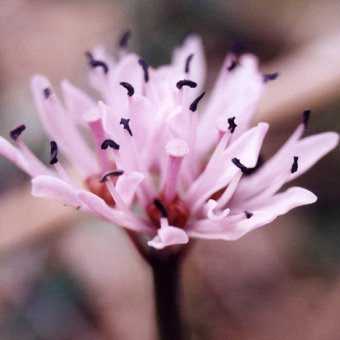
x=166 y=278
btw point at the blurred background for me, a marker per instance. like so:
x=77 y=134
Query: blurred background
x=66 y=276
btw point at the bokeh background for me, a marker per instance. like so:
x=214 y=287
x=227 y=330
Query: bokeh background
x=66 y=276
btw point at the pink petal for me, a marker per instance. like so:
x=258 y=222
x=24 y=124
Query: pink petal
x=223 y=230
x=263 y=213
x=98 y=207
x=168 y=236
x=14 y=155
x=197 y=67
x=23 y=158
x=55 y=189
x=128 y=70
x=236 y=93
x=99 y=79
x=309 y=150
x=282 y=202
x=220 y=171
x=60 y=127
x=127 y=184
x=77 y=102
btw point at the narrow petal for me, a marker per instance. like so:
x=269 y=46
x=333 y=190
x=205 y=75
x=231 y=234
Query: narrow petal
x=282 y=202
x=77 y=102
x=14 y=155
x=236 y=93
x=197 y=65
x=98 y=207
x=55 y=189
x=60 y=127
x=312 y=148
x=309 y=150
x=218 y=174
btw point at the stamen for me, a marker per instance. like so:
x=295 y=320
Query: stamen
x=145 y=67
x=47 y=92
x=187 y=63
x=54 y=152
x=305 y=117
x=159 y=205
x=15 y=133
x=233 y=64
x=242 y=167
x=176 y=149
x=124 y=39
x=129 y=87
x=295 y=166
x=193 y=106
x=115 y=173
x=94 y=120
x=186 y=82
x=125 y=122
x=110 y=143
x=96 y=63
x=232 y=125
x=269 y=77
x=248 y=214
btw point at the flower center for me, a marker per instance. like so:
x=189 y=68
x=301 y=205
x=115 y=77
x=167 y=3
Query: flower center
x=176 y=211
x=96 y=184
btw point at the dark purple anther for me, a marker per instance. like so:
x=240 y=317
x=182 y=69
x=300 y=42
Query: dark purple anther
x=232 y=125
x=54 y=152
x=109 y=143
x=125 y=122
x=186 y=82
x=15 y=133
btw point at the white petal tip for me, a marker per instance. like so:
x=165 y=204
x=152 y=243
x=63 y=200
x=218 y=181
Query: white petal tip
x=177 y=147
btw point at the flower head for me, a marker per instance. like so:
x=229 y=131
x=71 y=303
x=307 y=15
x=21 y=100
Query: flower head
x=165 y=158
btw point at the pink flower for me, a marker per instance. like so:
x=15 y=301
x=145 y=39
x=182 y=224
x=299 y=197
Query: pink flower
x=167 y=162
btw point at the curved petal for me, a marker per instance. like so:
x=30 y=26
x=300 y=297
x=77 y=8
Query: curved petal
x=211 y=213
x=168 y=236
x=282 y=202
x=127 y=185
x=55 y=189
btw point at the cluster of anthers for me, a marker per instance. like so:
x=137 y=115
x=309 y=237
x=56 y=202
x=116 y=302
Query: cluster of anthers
x=168 y=161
